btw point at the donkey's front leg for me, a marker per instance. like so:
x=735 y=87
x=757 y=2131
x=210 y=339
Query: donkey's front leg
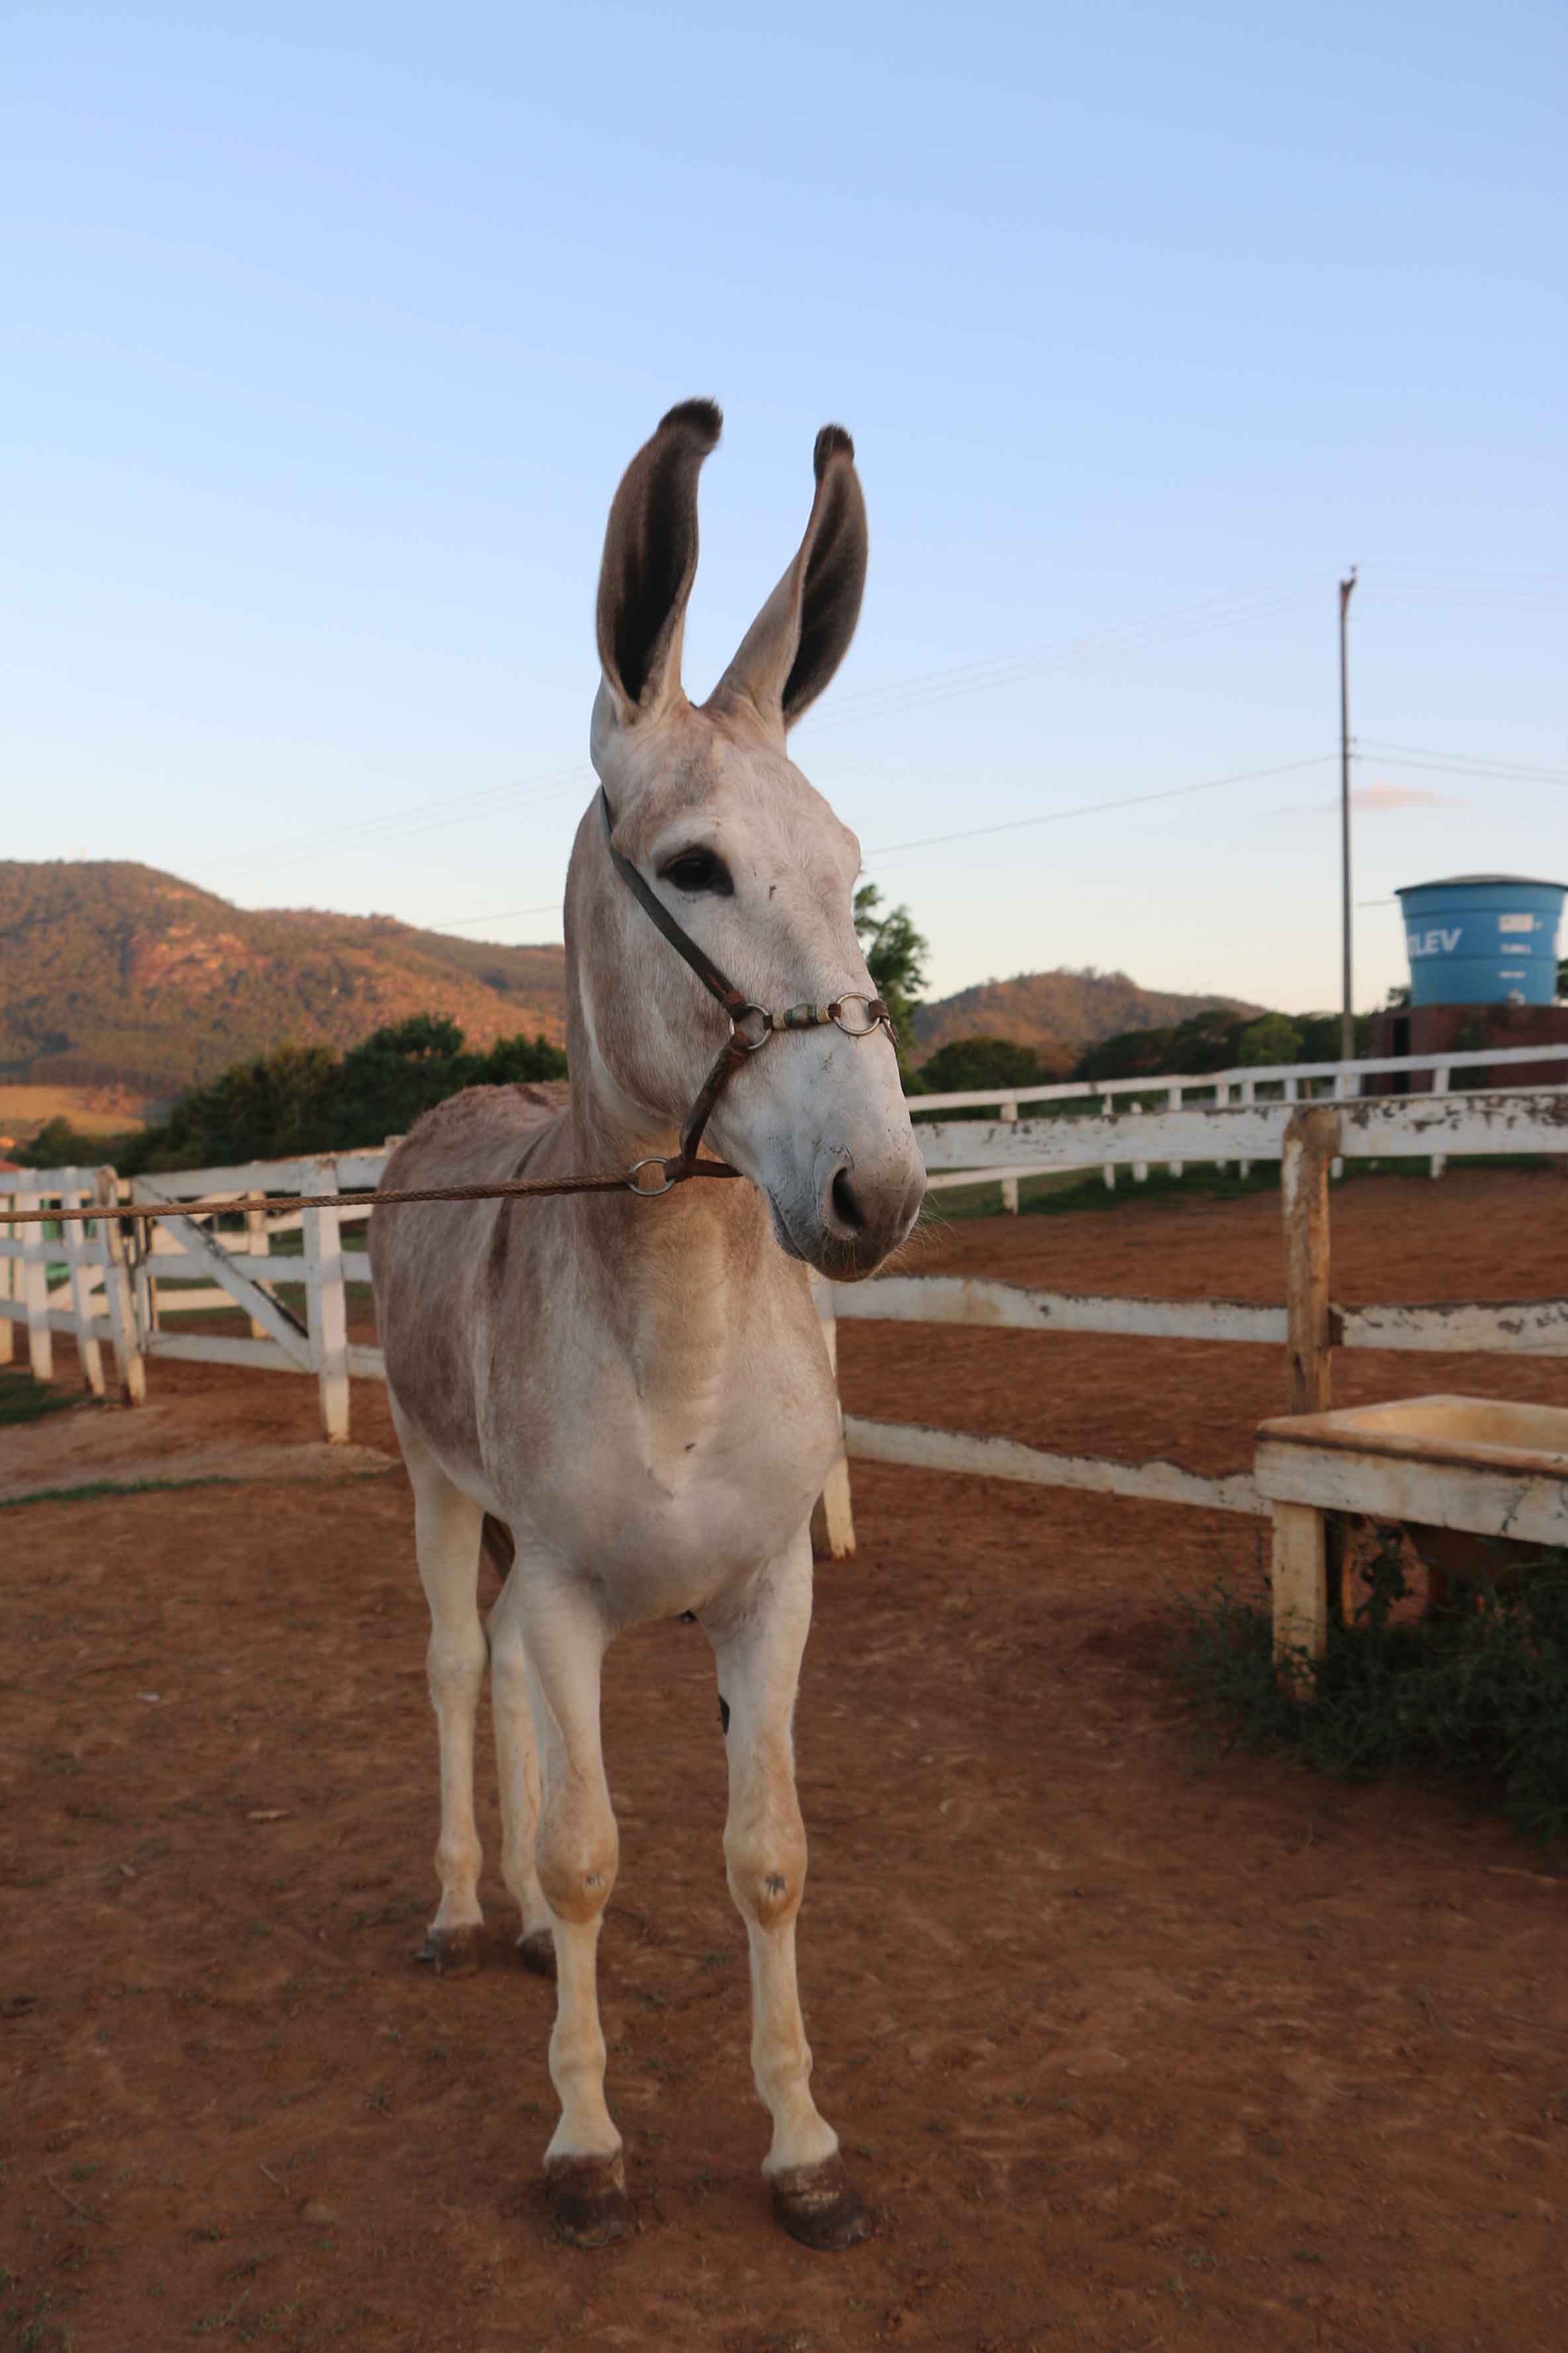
x=758 y=1649
x=577 y=1852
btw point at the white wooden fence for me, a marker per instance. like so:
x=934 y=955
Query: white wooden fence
x=1308 y=1141
x=188 y=1265
x=246 y=1258
x=76 y=1283
x=1289 y=1082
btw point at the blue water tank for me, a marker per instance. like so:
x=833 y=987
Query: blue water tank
x=1482 y=939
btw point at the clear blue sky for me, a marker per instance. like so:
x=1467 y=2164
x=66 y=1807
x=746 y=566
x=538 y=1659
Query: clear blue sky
x=327 y=332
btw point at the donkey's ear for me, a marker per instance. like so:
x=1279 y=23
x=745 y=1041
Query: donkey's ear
x=650 y=562
x=803 y=632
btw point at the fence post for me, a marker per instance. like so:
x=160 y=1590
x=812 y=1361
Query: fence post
x=78 y=1256
x=33 y=1265
x=1010 y=1183
x=1109 y=1170
x=832 y=1521
x=326 y=1310
x=143 y=1258
x=1174 y=1103
x=257 y=1245
x=117 y=1292
x=1311 y=1142
x=1441 y=1079
x=1352 y=1086
x=10 y=1288
x=1248 y=1094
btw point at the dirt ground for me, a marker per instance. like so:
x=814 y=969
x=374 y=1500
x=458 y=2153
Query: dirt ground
x=1129 y=2048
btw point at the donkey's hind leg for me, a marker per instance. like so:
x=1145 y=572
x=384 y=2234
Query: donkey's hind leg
x=517 y=1760
x=446 y=1526
x=758 y=1649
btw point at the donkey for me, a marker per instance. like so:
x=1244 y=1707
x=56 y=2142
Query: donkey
x=633 y=1397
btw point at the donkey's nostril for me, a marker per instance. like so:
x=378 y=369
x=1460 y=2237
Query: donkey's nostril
x=846 y=1207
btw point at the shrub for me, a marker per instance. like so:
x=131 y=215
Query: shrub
x=967 y=1063
x=301 y=1099
x=1478 y=1689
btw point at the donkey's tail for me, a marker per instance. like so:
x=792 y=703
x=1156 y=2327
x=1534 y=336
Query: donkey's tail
x=499 y=1546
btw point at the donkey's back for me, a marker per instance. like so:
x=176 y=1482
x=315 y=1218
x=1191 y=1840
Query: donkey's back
x=431 y=1262
x=481 y=1125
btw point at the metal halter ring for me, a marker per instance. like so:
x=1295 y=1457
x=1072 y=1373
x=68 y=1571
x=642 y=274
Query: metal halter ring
x=750 y=1017
x=650 y=1192
x=875 y=1010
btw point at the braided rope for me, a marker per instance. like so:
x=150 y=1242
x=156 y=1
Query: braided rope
x=513 y=1188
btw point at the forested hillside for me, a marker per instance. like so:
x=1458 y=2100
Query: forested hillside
x=116 y=974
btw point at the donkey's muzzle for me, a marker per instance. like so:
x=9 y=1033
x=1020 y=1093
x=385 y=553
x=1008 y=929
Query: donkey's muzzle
x=864 y=1214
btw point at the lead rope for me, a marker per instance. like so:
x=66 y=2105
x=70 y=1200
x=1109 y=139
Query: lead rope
x=750 y=1028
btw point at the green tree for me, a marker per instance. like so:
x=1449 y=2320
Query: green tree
x=1204 y=1041
x=390 y=1077
x=269 y=1107
x=1275 y=1038
x=301 y=1099
x=896 y=957
x=971 y=1062
x=513 y=1062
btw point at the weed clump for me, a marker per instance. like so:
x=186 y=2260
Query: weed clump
x=1477 y=1689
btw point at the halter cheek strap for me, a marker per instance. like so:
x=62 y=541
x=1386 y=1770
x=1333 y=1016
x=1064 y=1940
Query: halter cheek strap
x=751 y=1026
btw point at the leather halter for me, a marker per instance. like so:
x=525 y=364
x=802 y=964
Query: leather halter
x=751 y=1026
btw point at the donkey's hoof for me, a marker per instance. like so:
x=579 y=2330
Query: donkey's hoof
x=536 y=1951
x=587 y=2200
x=819 y=2205
x=450 y=1952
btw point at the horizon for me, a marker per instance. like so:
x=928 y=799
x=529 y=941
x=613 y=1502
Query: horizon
x=331 y=336
x=382 y=915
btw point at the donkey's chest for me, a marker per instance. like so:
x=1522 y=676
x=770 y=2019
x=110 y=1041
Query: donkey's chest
x=668 y=1488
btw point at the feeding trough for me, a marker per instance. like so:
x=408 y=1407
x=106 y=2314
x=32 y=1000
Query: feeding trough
x=1478 y=1465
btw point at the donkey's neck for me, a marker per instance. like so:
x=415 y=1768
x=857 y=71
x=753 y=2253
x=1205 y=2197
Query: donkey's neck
x=676 y=1278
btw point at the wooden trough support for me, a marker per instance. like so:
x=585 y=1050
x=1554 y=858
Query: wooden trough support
x=1481 y=1464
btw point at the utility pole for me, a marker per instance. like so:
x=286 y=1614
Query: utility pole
x=1347 y=1017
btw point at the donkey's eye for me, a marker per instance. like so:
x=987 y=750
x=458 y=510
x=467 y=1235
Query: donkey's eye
x=700 y=870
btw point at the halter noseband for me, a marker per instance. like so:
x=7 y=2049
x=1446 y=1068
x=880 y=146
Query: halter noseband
x=751 y=1026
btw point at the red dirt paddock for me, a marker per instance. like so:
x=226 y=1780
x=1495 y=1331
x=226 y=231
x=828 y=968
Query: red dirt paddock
x=1128 y=2050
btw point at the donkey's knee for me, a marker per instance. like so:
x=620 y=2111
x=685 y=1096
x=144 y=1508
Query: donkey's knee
x=455 y=1665
x=764 y=1859
x=577 y=1854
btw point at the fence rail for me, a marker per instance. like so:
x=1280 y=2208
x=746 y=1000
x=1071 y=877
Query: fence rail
x=1270 y=1083
x=1341 y=1079
x=93 y=1305
x=237 y=1259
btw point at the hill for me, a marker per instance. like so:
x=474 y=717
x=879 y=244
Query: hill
x=1059 y=1013
x=116 y=974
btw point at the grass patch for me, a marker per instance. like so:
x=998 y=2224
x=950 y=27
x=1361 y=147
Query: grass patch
x=1085 y=1188
x=22 y=1398
x=1479 y=1690
x=91 y=1489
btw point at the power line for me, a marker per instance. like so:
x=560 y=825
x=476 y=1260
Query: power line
x=976 y=833
x=1096 y=809
x=1458 y=764
x=488 y=802
x=502 y=915
x=1115 y=641
x=998 y=671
